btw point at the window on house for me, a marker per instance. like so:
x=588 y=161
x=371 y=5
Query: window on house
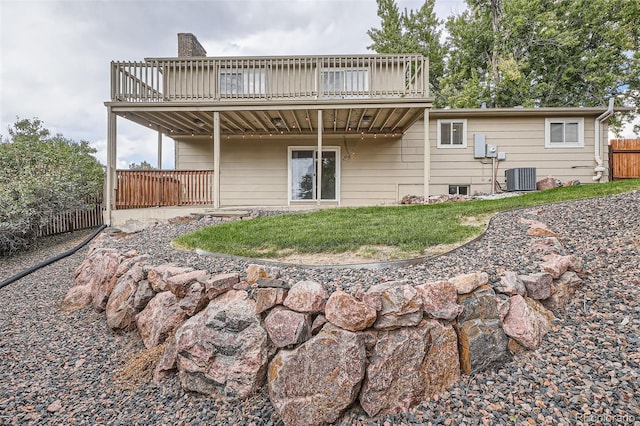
x=243 y=81
x=349 y=81
x=564 y=132
x=458 y=189
x=452 y=133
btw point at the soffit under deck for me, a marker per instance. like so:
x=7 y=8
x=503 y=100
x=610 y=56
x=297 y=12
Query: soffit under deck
x=363 y=119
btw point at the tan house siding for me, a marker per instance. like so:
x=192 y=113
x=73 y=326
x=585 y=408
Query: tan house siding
x=194 y=154
x=382 y=170
x=522 y=139
x=255 y=172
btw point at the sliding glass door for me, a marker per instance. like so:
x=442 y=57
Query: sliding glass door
x=303 y=177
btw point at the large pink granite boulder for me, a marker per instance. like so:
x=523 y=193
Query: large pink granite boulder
x=223 y=350
x=104 y=288
x=94 y=273
x=562 y=290
x=219 y=284
x=527 y=321
x=548 y=245
x=258 y=272
x=160 y=318
x=511 y=284
x=195 y=299
x=286 y=327
x=466 y=283
x=407 y=365
x=401 y=305
x=439 y=299
x=539 y=229
x=79 y=295
x=306 y=297
x=158 y=275
x=267 y=298
x=548 y=182
x=347 y=312
x=314 y=383
x=538 y=285
x=179 y=284
x=121 y=308
x=556 y=265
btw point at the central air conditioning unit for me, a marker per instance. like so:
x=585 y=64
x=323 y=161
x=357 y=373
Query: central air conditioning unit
x=521 y=179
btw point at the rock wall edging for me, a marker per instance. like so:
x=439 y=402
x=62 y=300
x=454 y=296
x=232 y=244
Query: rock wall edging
x=388 y=348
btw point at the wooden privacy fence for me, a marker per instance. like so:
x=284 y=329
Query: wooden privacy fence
x=624 y=159
x=74 y=220
x=158 y=188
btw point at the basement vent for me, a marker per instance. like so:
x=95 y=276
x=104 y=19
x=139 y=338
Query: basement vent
x=521 y=179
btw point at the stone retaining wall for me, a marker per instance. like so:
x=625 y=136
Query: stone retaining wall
x=388 y=348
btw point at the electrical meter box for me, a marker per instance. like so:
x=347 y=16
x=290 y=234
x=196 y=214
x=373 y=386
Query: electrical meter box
x=479 y=149
x=492 y=151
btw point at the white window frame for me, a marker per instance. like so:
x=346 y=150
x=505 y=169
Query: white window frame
x=564 y=120
x=314 y=148
x=253 y=81
x=451 y=145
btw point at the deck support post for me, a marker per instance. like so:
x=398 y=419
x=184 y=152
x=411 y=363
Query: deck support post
x=427 y=155
x=319 y=160
x=159 y=149
x=216 y=159
x=110 y=178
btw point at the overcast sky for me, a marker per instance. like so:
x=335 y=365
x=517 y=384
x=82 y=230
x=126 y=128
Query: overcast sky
x=55 y=54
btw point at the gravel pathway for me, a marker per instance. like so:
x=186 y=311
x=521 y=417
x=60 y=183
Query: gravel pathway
x=59 y=366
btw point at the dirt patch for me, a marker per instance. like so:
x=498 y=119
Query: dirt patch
x=482 y=221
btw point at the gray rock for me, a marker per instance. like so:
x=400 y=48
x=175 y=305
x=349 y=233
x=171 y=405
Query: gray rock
x=479 y=304
x=482 y=342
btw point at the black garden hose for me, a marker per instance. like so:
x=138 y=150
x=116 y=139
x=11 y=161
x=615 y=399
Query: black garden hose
x=52 y=259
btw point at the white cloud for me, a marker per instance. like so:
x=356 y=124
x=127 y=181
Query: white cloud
x=55 y=54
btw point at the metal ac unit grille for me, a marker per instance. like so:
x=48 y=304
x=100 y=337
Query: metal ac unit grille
x=521 y=179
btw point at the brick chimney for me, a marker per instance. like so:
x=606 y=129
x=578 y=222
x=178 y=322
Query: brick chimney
x=189 y=46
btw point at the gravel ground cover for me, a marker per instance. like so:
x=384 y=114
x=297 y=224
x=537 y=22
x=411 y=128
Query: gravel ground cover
x=61 y=366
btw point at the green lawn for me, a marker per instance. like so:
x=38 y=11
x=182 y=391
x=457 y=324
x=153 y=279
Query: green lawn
x=410 y=230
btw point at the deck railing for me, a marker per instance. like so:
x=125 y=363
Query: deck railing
x=157 y=188
x=270 y=78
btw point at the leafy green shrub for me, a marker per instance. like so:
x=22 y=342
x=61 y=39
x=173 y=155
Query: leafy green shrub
x=41 y=175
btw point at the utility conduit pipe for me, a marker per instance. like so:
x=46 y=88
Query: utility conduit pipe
x=52 y=259
x=599 y=169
